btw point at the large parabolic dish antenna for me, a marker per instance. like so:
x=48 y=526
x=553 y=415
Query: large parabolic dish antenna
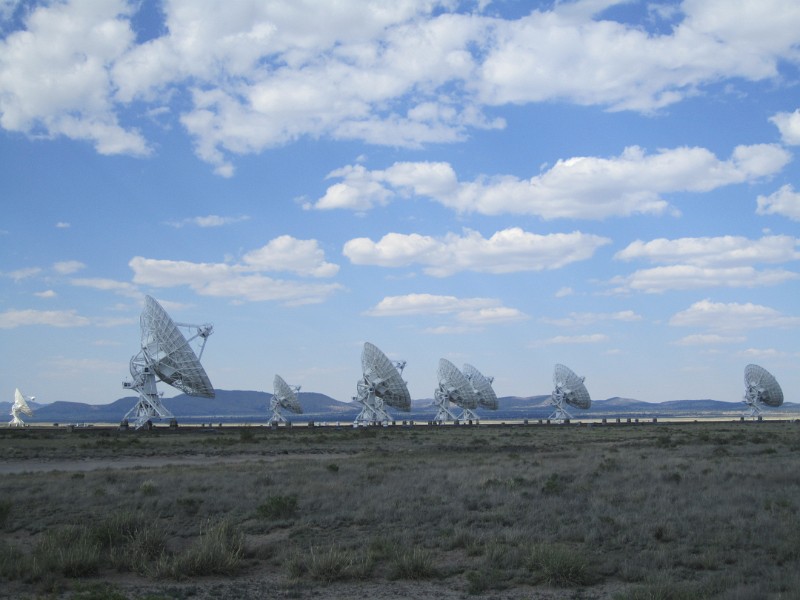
x=381 y=384
x=453 y=388
x=166 y=354
x=568 y=390
x=483 y=389
x=284 y=396
x=761 y=388
x=20 y=407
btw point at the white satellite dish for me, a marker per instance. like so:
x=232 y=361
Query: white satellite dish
x=166 y=355
x=569 y=390
x=284 y=396
x=453 y=388
x=483 y=389
x=19 y=407
x=381 y=385
x=761 y=388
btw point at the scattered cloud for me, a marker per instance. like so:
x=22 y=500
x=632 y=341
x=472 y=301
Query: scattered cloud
x=789 y=126
x=123 y=288
x=507 y=251
x=593 y=338
x=694 y=263
x=576 y=188
x=576 y=319
x=208 y=221
x=467 y=311
x=70 y=46
x=709 y=339
x=21 y=274
x=285 y=253
x=719 y=316
x=45 y=294
x=688 y=277
x=714 y=251
x=564 y=292
x=63 y=225
x=761 y=353
x=785 y=202
x=261 y=75
x=68 y=267
x=12 y=318
x=245 y=280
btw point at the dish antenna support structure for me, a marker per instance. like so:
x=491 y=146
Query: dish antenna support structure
x=453 y=388
x=284 y=396
x=483 y=389
x=760 y=389
x=381 y=385
x=20 y=407
x=166 y=355
x=568 y=390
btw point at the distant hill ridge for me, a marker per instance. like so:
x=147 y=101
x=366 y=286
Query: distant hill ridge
x=251 y=406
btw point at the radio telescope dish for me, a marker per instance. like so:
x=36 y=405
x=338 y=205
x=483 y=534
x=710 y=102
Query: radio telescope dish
x=569 y=390
x=381 y=385
x=166 y=355
x=19 y=407
x=483 y=389
x=285 y=396
x=761 y=388
x=454 y=388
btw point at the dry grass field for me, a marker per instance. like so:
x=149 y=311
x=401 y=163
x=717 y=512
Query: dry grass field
x=623 y=512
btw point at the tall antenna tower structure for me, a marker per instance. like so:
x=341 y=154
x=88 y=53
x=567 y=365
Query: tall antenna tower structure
x=569 y=390
x=20 y=407
x=381 y=385
x=483 y=389
x=284 y=396
x=454 y=388
x=167 y=355
x=760 y=389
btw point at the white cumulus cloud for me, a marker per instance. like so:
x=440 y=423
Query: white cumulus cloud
x=13 y=318
x=70 y=47
x=471 y=311
x=789 y=126
x=733 y=316
x=208 y=221
x=785 y=202
x=507 y=251
x=583 y=187
x=247 y=76
x=695 y=263
x=245 y=280
x=714 y=251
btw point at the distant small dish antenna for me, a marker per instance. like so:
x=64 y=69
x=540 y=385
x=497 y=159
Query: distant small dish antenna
x=20 y=407
x=454 y=388
x=166 y=355
x=761 y=389
x=483 y=389
x=381 y=385
x=569 y=390
x=284 y=396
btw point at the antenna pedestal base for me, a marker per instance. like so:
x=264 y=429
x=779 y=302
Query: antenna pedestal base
x=148 y=407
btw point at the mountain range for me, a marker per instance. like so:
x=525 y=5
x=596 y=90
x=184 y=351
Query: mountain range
x=241 y=406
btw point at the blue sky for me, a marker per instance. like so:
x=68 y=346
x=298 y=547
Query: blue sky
x=609 y=185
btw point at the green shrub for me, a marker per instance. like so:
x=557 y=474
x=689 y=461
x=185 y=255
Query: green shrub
x=70 y=551
x=218 y=551
x=278 y=507
x=413 y=563
x=560 y=566
x=333 y=564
